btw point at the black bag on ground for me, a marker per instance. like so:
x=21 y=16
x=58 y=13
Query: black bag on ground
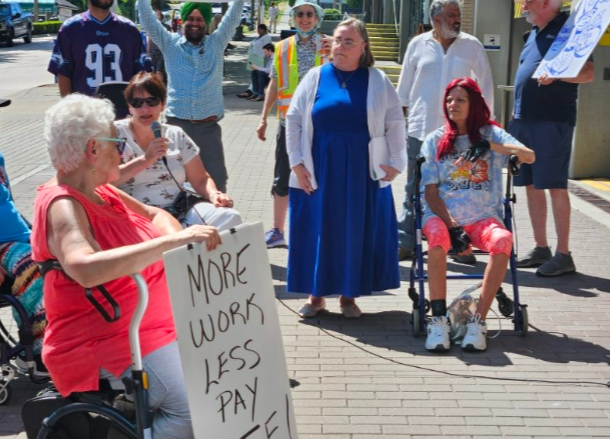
x=76 y=426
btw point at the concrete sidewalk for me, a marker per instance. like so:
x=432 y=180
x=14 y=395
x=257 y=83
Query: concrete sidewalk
x=370 y=378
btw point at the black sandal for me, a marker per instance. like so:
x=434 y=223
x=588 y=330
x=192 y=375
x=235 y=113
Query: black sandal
x=245 y=94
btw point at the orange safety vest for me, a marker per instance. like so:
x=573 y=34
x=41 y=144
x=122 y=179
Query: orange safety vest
x=287 y=69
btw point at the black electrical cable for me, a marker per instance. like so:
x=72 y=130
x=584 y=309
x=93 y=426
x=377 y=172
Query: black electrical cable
x=451 y=374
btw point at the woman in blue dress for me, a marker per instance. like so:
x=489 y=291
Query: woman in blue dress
x=346 y=143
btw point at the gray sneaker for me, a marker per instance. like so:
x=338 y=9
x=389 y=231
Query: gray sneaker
x=536 y=256
x=557 y=265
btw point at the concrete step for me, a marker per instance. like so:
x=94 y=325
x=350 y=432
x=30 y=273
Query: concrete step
x=385 y=52
x=383 y=35
x=390 y=70
x=380 y=26
x=384 y=45
x=386 y=58
x=376 y=39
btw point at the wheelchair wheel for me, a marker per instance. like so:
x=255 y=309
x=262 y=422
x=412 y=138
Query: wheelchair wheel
x=524 y=321
x=5 y=391
x=415 y=318
x=505 y=305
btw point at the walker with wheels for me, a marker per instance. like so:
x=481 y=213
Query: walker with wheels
x=508 y=307
x=120 y=425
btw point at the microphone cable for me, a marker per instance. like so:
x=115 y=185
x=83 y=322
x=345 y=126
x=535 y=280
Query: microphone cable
x=310 y=322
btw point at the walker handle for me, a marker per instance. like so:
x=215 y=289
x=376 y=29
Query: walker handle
x=513 y=162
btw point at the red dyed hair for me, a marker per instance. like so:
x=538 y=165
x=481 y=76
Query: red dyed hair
x=478 y=116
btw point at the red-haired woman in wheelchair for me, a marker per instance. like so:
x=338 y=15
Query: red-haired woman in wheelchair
x=462 y=185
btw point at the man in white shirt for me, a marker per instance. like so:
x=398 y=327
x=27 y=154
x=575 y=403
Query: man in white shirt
x=432 y=61
x=273 y=13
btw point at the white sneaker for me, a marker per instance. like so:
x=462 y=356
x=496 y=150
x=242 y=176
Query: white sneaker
x=438 y=334
x=476 y=335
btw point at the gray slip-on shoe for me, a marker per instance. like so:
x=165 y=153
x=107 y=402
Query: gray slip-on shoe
x=535 y=257
x=557 y=265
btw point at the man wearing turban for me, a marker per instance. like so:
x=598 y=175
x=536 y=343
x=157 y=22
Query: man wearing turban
x=194 y=64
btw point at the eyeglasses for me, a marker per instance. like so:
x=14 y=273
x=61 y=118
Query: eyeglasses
x=309 y=14
x=151 y=102
x=348 y=44
x=119 y=142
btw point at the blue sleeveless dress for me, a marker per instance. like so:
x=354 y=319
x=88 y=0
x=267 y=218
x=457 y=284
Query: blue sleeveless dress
x=342 y=237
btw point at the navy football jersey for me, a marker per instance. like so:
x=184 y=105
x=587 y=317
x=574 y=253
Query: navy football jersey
x=90 y=52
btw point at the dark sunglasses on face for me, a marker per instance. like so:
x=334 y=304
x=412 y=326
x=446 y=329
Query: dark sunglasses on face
x=151 y=102
x=309 y=14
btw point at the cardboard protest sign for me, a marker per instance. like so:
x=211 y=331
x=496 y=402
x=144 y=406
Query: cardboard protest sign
x=229 y=336
x=576 y=40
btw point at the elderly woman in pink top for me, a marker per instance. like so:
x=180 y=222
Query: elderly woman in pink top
x=100 y=235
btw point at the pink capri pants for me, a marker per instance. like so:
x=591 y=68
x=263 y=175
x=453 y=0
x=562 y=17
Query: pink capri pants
x=489 y=235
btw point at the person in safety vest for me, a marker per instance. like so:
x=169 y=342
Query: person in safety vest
x=294 y=57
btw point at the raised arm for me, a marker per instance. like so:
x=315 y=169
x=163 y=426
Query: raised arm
x=152 y=26
x=71 y=241
x=229 y=23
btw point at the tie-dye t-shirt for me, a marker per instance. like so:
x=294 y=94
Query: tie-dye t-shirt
x=471 y=191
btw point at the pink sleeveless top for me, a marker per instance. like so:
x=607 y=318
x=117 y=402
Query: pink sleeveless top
x=78 y=341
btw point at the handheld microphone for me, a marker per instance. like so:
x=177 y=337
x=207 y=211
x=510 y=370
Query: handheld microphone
x=156 y=129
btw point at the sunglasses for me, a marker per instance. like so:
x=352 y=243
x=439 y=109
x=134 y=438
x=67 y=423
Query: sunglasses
x=302 y=14
x=151 y=102
x=119 y=142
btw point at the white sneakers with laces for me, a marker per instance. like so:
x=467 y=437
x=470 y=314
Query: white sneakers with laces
x=439 y=330
x=476 y=335
x=438 y=334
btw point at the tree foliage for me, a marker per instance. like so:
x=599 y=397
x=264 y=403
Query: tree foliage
x=354 y=3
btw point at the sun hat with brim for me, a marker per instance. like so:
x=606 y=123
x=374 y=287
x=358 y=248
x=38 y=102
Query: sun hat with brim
x=5 y=102
x=299 y=3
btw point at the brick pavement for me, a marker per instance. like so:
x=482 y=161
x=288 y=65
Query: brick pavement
x=352 y=382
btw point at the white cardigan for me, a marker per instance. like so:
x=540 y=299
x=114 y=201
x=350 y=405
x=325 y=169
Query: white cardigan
x=386 y=123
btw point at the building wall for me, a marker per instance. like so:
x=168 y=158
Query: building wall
x=468 y=18
x=493 y=17
x=591 y=147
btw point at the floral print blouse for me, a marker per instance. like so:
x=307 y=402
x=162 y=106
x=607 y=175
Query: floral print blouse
x=154 y=185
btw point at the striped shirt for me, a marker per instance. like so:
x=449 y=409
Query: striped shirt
x=194 y=88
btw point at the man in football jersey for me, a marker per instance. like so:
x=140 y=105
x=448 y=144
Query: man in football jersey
x=94 y=47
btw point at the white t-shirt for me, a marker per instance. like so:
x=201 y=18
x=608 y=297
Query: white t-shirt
x=426 y=72
x=273 y=12
x=256 y=46
x=154 y=185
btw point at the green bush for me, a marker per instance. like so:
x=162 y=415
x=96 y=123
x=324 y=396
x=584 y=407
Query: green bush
x=291 y=3
x=354 y=3
x=333 y=14
x=46 y=27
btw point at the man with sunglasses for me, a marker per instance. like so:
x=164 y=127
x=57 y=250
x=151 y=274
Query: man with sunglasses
x=194 y=65
x=294 y=57
x=94 y=47
x=432 y=60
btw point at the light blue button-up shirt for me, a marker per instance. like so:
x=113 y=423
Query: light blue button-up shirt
x=194 y=89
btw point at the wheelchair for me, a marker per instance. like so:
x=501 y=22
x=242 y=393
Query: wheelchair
x=14 y=341
x=98 y=409
x=114 y=92
x=508 y=307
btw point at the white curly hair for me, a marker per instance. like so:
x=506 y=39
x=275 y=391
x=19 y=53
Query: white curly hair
x=71 y=123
